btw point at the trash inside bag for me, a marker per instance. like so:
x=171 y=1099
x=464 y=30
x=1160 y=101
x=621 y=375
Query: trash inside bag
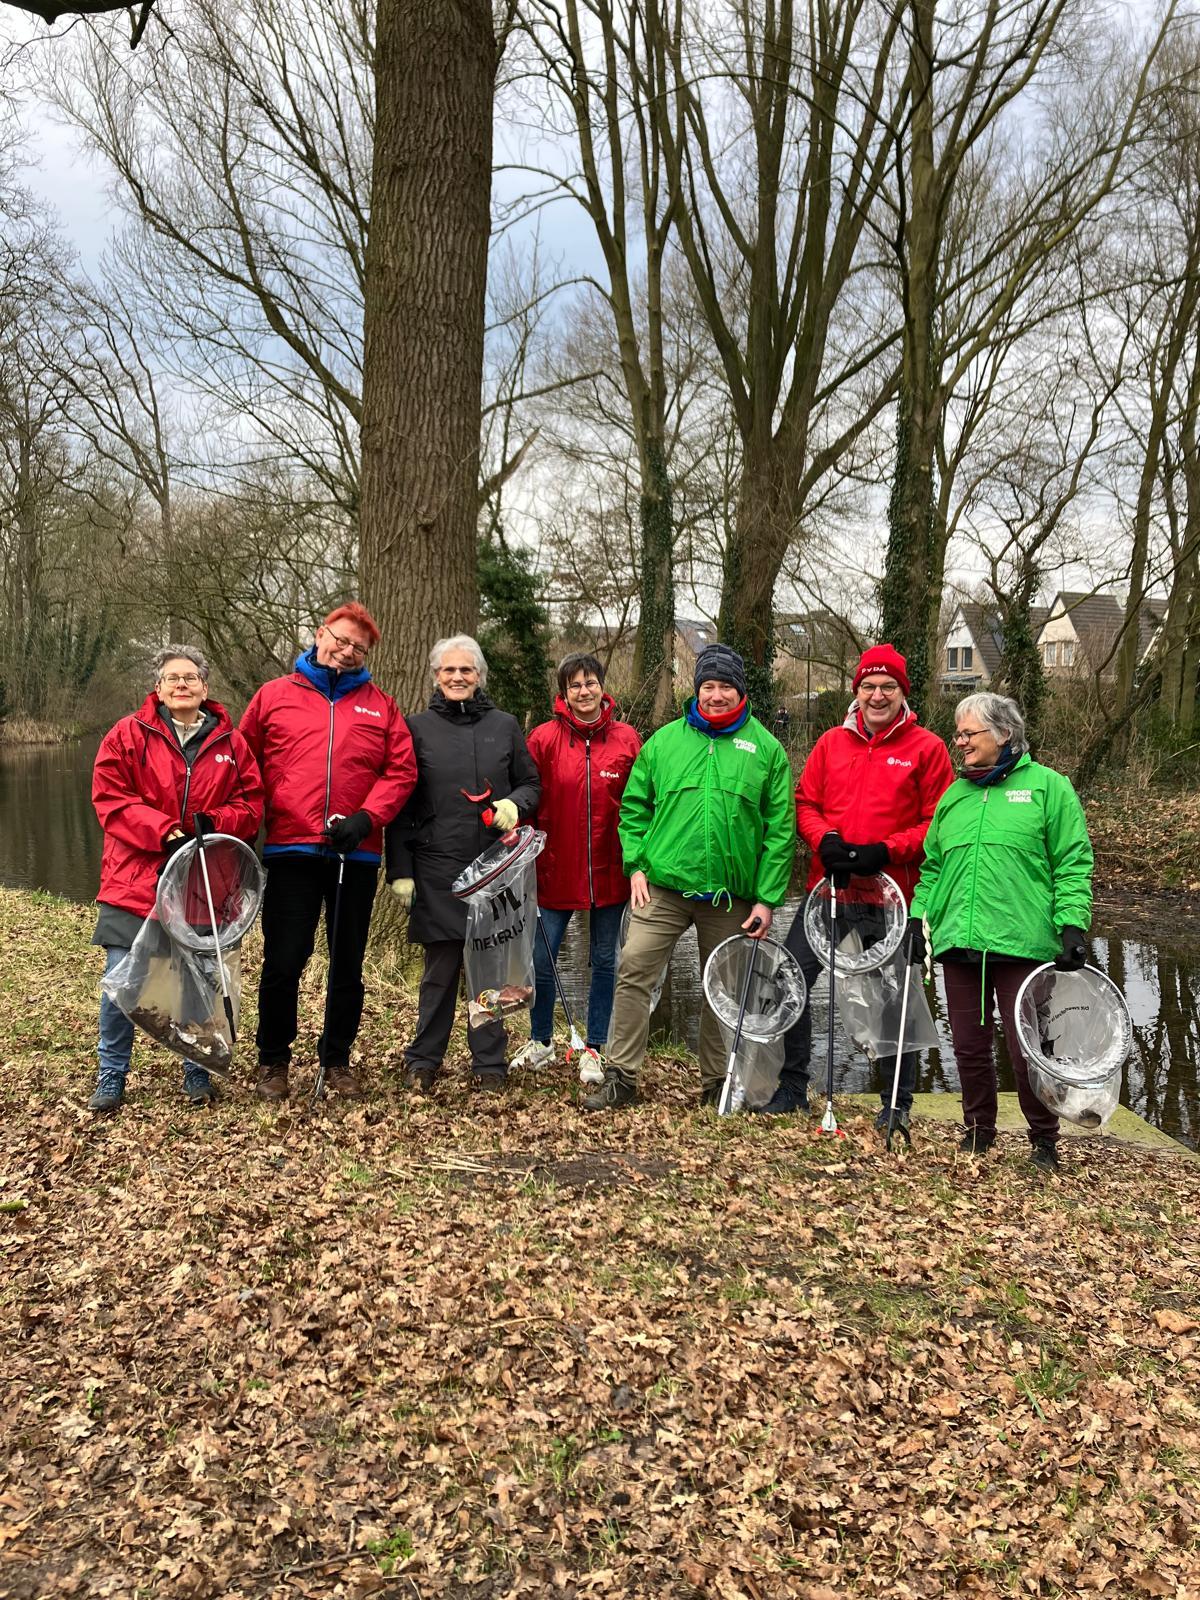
x=874 y=907
x=174 y=994
x=870 y=1005
x=756 y=1070
x=1076 y=1035
x=776 y=997
x=236 y=881
x=499 y=889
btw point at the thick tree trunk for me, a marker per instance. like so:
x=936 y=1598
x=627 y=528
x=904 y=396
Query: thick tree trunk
x=426 y=269
x=753 y=553
x=654 y=652
x=911 y=591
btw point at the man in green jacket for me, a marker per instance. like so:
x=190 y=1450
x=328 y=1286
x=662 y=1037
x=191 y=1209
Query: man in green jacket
x=708 y=839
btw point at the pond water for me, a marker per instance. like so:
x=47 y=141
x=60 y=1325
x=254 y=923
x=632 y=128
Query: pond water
x=50 y=840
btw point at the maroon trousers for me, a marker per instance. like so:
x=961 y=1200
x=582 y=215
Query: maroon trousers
x=970 y=993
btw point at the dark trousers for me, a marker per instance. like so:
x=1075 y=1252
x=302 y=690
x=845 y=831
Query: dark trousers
x=797 y=1041
x=970 y=992
x=297 y=888
x=436 y=1006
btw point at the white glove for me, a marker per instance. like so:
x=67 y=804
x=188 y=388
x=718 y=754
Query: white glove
x=405 y=891
x=505 y=816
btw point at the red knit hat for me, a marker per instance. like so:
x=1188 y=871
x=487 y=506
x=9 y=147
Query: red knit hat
x=882 y=658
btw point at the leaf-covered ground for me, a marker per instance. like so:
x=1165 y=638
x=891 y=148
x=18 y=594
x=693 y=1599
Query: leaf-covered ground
x=482 y=1346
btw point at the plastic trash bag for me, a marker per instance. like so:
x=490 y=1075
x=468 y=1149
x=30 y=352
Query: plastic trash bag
x=174 y=994
x=775 y=999
x=500 y=891
x=756 y=1070
x=873 y=907
x=1076 y=1035
x=870 y=1004
x=170 y=983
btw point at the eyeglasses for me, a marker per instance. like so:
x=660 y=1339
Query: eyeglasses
x=588 y=685
x=170 y=679
x=968 y=735
x=360 y=650
x=888 y=689
x=458 y=672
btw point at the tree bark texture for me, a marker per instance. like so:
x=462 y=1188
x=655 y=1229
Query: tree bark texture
x=655 y=649
x=426 y=271
x=911 y=591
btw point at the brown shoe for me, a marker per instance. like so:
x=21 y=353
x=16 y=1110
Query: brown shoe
x=342 y=1081
x=272 y=1082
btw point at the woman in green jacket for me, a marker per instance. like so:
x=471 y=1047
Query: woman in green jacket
x=1006 y=886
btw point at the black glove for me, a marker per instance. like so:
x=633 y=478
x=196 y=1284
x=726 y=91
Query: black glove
x=835 y=858
x=1074 y=950
x=202 y=823
x=169 y=849
x=914 y=941
x=349 y=832
x=868 y=858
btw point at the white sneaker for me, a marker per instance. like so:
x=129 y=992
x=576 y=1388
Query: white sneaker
x=591 y=1066
x=534 y=1054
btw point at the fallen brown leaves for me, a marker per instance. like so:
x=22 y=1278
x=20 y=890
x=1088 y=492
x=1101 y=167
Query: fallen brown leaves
x=488 y=1347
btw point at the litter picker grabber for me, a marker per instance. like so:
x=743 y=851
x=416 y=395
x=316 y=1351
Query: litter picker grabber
x=829 y=1123
x=577 y=1044
x=226 y=997
x=725 y=1104
x=318 y=1088
x=892 y=1125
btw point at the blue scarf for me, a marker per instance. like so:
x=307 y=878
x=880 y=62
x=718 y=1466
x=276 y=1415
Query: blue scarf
x=331 y=683
x=696 y=719
x=986 y=776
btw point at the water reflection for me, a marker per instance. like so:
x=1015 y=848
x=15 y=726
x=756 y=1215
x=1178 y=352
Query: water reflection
x=1161 y=985
x=49 y=839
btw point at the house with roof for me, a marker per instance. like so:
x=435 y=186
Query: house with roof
x=974 y=645
x=1081 y=635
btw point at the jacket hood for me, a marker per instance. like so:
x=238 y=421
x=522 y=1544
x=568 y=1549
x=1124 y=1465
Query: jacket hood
x=152 y=711
x=585 y=730
x=906 y=717
x=328 y=680
x=460 y=710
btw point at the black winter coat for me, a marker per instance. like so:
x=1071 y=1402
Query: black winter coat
x=466 y=744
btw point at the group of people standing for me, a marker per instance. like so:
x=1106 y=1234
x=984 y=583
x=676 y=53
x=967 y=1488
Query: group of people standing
x=697 y=827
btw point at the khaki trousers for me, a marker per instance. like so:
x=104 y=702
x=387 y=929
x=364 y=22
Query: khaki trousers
x=654 y=930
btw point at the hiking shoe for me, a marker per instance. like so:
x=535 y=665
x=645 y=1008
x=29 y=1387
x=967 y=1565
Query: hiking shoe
x=489 y=1082
x=1045 y=1155
x=613 y=1092
x=272 y=1082
x=710 y=1093
x=420 y=1079
x=108 y=1093
x=976 y=1141
x=787 y=1098
x=199 y=1087
x=901 y=1121
x=535 y=1054
x=342 y=1081
x=591 y=1066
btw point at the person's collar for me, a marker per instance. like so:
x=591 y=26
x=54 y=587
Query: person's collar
x=984 y=777
x=586 y=730
x=722 y=722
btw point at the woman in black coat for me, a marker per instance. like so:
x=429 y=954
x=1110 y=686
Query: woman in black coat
x=464 y=747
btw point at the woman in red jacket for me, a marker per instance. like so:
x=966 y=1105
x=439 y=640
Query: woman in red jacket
x=177 y=760
x=584 y=756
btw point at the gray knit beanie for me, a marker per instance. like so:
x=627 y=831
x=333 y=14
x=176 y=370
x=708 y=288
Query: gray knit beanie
x=719 y=662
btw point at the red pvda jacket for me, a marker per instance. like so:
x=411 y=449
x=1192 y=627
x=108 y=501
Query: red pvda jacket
x=143 y=789
x=327 y=755
x=584 y=768
x=871 y=790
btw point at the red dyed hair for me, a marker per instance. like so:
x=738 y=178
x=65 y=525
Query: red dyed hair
x=353 y=611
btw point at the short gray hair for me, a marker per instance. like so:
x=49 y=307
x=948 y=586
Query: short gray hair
x=180 y=652
x=458 y=641
x=1000 y=716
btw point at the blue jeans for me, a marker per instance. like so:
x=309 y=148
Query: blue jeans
x=605 y=925
x=116 y=1030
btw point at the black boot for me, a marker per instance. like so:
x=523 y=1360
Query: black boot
x=791 y=1095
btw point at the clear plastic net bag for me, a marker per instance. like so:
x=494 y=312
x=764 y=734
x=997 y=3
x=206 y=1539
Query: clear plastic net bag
x=181 y=982
x=770 y=978
x=1076 y=1035
x=500 y=891
x=871 y=1004
x=873 y=907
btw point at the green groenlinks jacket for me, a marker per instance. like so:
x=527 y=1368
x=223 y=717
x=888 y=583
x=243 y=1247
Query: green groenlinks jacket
x=1007 y=867
x=701 y=815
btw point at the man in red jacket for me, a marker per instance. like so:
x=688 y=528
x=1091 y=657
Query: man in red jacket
x=584 y=757
x=864 y=803
x=337 y=762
